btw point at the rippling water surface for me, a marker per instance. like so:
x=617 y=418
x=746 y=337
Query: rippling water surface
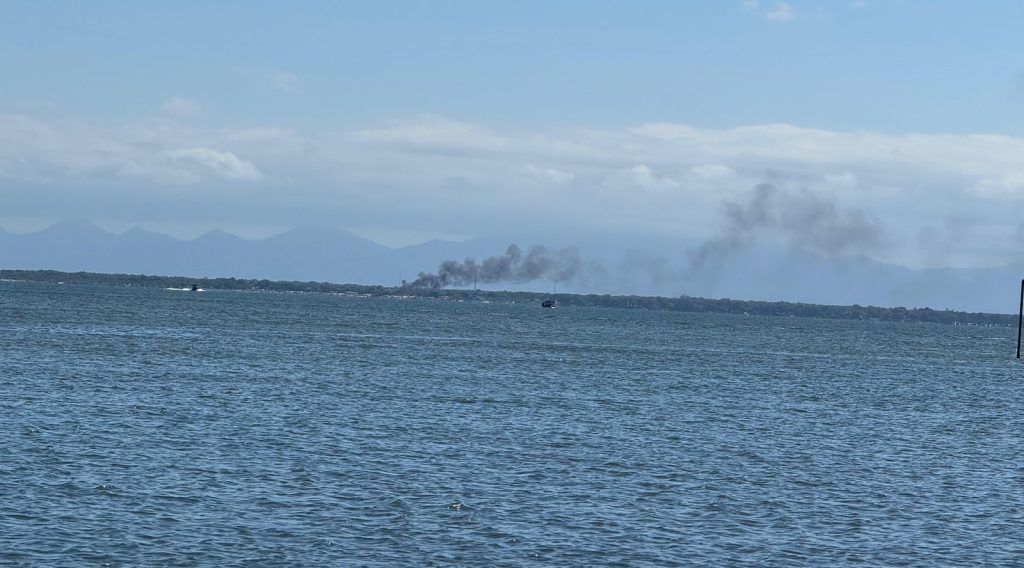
x=143 y=427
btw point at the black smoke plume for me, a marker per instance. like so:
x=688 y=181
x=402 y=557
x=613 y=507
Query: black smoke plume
x=513 y=267
x=808 y=220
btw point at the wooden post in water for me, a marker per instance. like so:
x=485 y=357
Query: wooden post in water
x=1020 y=317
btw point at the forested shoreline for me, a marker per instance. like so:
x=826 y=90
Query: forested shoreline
x=682 y=303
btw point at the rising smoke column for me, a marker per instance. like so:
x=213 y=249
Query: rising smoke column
x=512 y=267
x=807 y=219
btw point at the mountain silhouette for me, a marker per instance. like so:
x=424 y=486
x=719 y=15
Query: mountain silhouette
x=337 y=255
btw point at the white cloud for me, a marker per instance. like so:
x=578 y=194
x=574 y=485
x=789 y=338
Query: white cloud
x=435 y=134
x=436 y=149
x=781 y=12
x=497 y=175
x=916 y=158
x=550 y=175
x=180 y=106
x=640 y=177
x=224 y=164
x=1010 y=185
x=53 y=151
x=845 y=179
x=712 y=171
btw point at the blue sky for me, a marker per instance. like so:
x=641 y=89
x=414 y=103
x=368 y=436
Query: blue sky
x=374 y=115
x=884 y=65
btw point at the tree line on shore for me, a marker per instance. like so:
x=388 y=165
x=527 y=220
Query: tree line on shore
x=682 y=303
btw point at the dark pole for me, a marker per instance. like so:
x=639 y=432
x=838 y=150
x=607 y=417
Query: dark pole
x=1020 y=317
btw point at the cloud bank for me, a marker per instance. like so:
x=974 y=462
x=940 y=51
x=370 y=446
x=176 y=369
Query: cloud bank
x=435 y=174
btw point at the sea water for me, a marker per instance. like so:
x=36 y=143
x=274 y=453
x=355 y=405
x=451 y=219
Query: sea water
x=150 y=427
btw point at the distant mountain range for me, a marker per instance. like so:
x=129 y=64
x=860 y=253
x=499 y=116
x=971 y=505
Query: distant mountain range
x=332 y=255
x=336 y=255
